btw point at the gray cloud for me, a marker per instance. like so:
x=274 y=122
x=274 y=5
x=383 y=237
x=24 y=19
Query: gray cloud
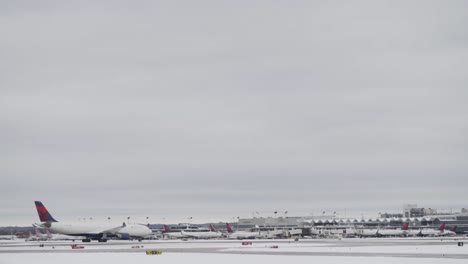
x=218 y=109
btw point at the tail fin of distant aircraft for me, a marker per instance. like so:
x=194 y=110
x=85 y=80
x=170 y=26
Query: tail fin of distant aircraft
x=228 y=227
x=49 y=235
x=212 y=229
x=38 y=234
x=405 y=226
x=44 y=215
x=442 y=227
x=167 y=228
x=454 y=229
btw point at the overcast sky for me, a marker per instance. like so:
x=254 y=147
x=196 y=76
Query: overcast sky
x=217 y=109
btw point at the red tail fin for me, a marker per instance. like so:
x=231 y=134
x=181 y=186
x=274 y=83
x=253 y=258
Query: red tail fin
x=44 y=215
x=454 y=229
x=228 y=227
x=167 y=228
x=212 y=229
x=405 y=226
x=442 y=227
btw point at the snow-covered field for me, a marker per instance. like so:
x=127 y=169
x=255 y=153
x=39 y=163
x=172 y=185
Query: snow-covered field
x=435 y=249
x=170 y=258
x=417 y=251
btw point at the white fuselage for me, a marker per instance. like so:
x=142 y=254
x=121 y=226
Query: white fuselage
x=430 y=232
x=201 y=234
x=88 y=229
x=391 y=232
x=137 y=231
x=448 y=233
x=78 y=228
x=366 y=232
x=175 y=235
x=412 y=232
x=433 y=232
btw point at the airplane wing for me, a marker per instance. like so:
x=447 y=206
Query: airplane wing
x=113 y=231
x=106 y=232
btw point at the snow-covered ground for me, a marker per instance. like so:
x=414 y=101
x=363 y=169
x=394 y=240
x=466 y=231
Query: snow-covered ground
x=172 y=258
x=413 y=249
x=417 y=251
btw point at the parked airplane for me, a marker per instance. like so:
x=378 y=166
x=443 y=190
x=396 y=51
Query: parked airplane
x=434 y=232
x=241 y=234
x=38 y=236
x=202 y=233
x=410 y=232
x=451 y=232
x=176 y=233
x=393 y=232
x=90 y=231
x=367 y=232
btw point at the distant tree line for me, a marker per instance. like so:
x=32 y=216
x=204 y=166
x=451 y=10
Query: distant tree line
x=12 y=230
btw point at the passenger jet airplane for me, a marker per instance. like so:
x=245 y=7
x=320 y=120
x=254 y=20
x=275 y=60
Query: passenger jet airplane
x=38 y=236
x=393 y=232
x=441 y=232
x=90 y=231
x=241 y=234
x=168 y=233
x=202 y=233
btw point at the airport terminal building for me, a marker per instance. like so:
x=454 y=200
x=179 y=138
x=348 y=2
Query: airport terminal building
x=416 y=217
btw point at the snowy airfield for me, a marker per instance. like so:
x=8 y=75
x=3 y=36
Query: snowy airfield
x=352 y=250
